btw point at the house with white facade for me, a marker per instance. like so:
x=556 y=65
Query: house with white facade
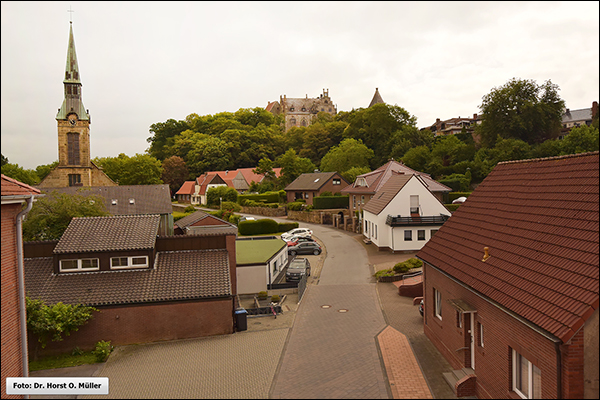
x=260 y=261
x=403 y=215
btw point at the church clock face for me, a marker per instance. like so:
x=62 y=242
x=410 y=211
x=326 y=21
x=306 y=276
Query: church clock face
x=72 y=119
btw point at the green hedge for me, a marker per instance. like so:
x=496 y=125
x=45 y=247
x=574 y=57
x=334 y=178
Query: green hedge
x=267 y=197
x=252 y=203
x=295 y=206
x=455 y=195
x=258 y=227
x=326 y=202
x=452 y=207
x=287 y=226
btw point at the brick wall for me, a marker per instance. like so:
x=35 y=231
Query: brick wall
x=502 y=333
x=11 y=342
x=147 y=323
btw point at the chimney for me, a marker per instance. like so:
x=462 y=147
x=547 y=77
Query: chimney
x=486 y=253
x=475 y=116
x=594 y=109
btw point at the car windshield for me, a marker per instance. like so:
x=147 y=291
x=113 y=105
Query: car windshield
x=297 y=265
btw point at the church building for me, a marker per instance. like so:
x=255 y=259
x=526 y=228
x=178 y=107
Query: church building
x=301 y=111
x=75 y=167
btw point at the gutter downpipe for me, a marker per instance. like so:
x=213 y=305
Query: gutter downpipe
x=21 y=281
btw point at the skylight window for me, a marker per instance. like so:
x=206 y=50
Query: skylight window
x=317 y=180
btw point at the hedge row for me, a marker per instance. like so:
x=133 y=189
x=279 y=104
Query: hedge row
x=327 y=202
x=268 y=197
x=264 y=226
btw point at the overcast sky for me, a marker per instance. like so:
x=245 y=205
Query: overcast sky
x=143 y=63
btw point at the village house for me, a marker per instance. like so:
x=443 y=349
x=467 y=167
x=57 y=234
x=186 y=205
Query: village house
x=511 y=282
x=202 y=223
x=403 y=215
x=147 y=287
x=366 y=185
x=576 y=118
x=15 y=195
x=260 y=262
x=308 y=186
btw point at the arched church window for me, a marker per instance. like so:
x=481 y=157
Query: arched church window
x=293 y=121
x=303 y=122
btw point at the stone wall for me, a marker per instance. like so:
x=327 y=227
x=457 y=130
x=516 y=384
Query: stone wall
x=266 y=211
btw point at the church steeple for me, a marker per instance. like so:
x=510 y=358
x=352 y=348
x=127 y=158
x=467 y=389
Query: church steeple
x=376 y=98
x=72 y=86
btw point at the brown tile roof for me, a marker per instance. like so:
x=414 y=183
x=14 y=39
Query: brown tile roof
x=216 y=226
x=147 y=199
x=312 y=181
x=187 y=187
x=376 y=179
x=12 y=187
x=384 y=195
x=122 y=232
x=180 y=275
x=539 y=219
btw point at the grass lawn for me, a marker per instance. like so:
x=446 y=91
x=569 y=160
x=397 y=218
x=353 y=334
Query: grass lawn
x=62 y=361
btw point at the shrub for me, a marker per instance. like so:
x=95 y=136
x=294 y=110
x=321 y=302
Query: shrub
x=402 y=267
x=214 y=195
x=262 y=295
x=295 y=206
x=102 y=350
x=326 y=202
x=231 y=206
x=189 y=209
x=234 y=219
x=452 y=207
x=275 y=298
x=309 y=208
x=384 y=272
x=287 y=226
x=267 y=197
x=258 y=227
x=326 y=193
x=77 y=351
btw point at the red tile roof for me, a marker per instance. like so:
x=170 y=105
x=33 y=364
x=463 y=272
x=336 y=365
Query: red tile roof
x=386 y=193
x=187 y=187
x=539 y=219
x=12 y=187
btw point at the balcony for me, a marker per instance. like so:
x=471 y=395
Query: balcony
x=420 y=221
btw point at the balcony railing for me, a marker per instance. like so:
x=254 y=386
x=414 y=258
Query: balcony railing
x=425 y=220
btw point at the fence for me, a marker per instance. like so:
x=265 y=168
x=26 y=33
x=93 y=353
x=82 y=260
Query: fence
x=302 y=287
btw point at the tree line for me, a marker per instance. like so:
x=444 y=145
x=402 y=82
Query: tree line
x=520 y=120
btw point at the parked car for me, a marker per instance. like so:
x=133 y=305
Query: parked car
x=305 y=248
x=297 y=268
x=294 y=240
x=305 y=232
x=247 y=219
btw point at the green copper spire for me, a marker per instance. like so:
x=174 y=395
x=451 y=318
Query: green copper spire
x=72 y=84
x=72 y=69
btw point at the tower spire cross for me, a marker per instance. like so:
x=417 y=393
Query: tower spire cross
x=70 y=14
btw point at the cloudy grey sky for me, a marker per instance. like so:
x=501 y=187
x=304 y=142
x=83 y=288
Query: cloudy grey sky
x=143 y=63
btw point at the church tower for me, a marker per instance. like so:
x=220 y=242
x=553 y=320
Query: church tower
x=75 y=167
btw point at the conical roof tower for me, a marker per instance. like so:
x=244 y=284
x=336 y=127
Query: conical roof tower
x=376 y=98
x=72 y=85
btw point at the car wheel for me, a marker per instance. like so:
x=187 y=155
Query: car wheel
x=293 y=253
x=317 y=252
x=308 y=272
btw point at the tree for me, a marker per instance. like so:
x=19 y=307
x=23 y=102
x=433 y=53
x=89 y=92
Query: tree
x=4 y=161
x=141 y=169
x=417 y=158
x=292 y=167
x=27 y=176
x=521 y=109
x=215 y=194
x=350 y=153
x=351 y=174
x=265 y=168
x=580 y=140
x=55 y=321
x=43 y=170
x=163 y=133
x=175 y=173
x=50 y=215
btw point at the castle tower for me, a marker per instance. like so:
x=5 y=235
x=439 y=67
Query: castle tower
x=75 y=167
x=376 y=98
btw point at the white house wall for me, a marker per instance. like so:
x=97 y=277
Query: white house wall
x=380 y=233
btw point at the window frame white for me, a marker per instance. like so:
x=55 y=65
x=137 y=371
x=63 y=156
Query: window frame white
x=79 y=268
x=481 y=330
x=532 y=372
x=437 y=303
x=130 y=264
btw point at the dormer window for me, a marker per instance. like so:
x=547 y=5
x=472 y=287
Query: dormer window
x=291 y=108
x=131 y=201
x=303 y=108
x=128 y=262
x=361 y=182
x=113 y=202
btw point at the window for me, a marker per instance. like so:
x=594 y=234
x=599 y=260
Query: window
x=527 y=378
x=421 y=234
x=407 y=236
x=433 y=231
x=366 y=227
x=353 y=201
x=303 y=123
x=129 y=262
x=85 y=264
x=375 y=231
x=480 y=332
x=459 y=318
x=74 y=180
x=437 y=306
x=337 y=181
x=73 y=148
x=293 y=120
x=362 y=200
x=414 y=204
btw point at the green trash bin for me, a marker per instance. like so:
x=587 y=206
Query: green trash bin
x=241 y=319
